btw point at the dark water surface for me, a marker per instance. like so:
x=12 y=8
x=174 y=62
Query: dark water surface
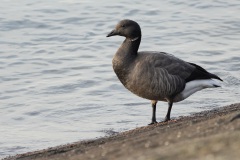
x=57 y=83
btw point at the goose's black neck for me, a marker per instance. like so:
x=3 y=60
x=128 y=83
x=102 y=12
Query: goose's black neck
x=129 y=47
x=124 y=58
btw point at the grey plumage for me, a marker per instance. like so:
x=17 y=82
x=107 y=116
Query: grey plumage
x=156 y=76
x=157 y=73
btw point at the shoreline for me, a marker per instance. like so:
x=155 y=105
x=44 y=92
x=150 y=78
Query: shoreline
x=212 y=134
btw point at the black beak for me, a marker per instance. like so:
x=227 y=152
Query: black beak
x=112 y=33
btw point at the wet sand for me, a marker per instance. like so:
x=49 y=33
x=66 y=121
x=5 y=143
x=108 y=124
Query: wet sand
x=213 y=134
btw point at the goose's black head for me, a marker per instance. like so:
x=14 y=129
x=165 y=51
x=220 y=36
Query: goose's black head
x=127 y=28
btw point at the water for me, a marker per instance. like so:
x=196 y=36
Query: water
x=57 y=83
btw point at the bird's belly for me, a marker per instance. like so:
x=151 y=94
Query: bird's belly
x=146 y=93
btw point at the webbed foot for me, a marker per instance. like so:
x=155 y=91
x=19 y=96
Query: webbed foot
x=153 y=122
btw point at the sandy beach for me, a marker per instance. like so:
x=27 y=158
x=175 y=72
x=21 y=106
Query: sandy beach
x=213 y=134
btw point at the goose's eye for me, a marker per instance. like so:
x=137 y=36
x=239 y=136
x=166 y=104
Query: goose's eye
x=123 y=26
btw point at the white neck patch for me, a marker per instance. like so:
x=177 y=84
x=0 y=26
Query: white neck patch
x=134 y=39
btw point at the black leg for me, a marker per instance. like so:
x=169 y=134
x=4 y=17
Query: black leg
x=154 y=103
x=167 y=118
